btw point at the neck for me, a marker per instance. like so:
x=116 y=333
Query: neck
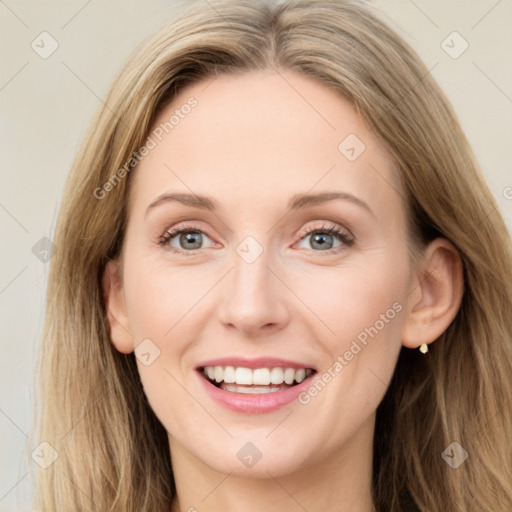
x=341 y=482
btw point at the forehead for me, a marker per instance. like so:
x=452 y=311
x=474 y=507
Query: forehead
x=267 y=135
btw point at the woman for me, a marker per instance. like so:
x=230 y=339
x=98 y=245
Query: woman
x=281 y=282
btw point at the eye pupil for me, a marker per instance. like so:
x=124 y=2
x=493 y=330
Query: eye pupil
x=320 y=239
x=185 y=238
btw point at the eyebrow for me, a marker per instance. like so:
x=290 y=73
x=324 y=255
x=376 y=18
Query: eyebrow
x=296 y=202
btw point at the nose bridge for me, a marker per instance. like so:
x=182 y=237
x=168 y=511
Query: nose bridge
x=251 y=273
x=252 y=299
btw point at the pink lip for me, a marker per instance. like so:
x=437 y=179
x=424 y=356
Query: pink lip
x=254 y=404
x=260 y=362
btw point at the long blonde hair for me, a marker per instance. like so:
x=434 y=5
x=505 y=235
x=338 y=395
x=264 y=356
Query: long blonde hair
x=113 y=453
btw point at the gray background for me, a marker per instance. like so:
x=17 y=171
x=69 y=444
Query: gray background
x=46 y=104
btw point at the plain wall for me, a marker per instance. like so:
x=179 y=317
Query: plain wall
x=46 y=105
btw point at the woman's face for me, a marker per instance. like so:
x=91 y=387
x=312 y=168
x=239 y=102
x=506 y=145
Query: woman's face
x=274 y=273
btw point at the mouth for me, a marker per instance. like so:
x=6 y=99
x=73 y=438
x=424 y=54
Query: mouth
x=240 y=379
x=254 y=386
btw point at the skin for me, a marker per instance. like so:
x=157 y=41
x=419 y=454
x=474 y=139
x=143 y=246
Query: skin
x=254 y=140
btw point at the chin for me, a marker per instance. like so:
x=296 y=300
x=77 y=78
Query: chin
x=255 y=455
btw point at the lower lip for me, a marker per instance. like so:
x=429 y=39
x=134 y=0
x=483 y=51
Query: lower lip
x=254 y=404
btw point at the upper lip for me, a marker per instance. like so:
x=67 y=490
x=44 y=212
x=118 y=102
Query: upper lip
x=259 y=362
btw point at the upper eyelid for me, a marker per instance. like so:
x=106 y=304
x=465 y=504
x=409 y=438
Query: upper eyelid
x=326 y=226
x=189 y=226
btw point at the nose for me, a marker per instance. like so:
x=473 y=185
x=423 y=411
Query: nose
x=254 y=299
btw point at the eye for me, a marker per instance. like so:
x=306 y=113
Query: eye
x=184 y=239
x=188 y=240
x=324 y=238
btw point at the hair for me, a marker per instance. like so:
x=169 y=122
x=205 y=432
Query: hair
x=113 y=453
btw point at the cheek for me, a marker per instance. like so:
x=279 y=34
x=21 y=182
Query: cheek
x=363 y=309
x=362 y=305
x=160 y=305
x=352 y=298
x=160 y=297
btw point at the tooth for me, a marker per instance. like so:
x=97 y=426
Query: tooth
x=243 y=376
x=229 y=374
x=276 y=376
x=289 y=375
x=257 y=377
x=300 y=375
x=251 y=391
x=219 y=373
x=261 y=376
x=255 y=390
x=248 y=391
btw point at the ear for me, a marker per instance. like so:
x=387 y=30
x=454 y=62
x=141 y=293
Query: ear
x=116 y=308
x=436 y=294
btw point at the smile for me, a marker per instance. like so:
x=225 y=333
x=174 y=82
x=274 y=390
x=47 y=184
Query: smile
x=254 y=386
x=257 y=381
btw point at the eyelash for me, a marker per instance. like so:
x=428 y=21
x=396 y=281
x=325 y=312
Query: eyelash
x=346 y=239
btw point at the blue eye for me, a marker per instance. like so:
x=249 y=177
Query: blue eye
x=324 y=238
x=189 y=240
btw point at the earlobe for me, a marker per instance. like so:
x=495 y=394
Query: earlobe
x=116 y=309
x=435 y=295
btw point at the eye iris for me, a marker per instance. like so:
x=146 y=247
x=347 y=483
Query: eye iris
x=319 y=238
x=191 y=237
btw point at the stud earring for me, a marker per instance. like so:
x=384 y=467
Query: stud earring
x=424 y=348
